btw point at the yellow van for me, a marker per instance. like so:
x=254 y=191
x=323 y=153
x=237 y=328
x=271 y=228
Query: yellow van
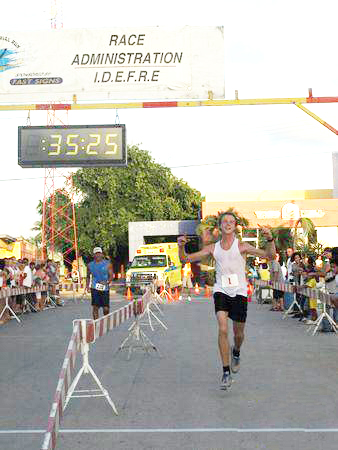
x=157 y=263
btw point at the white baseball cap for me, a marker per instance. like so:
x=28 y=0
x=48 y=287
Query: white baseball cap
x=97 y=250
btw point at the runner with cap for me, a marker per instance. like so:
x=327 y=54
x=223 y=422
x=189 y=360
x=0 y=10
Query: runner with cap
x=230 y=289
x=99 y=277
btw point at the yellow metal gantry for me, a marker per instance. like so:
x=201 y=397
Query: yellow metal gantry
x=75 y=106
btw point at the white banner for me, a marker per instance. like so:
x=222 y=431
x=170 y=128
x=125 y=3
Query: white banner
x=112 y=64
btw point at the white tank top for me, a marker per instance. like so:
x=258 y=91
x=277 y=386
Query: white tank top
x=230 y=270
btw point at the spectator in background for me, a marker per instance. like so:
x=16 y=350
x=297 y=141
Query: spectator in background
x=11 y=266
x=53 y=281
x=19 y=281
x=59 y=302
x=14 y=282
x=263 y=271
x=289 y=260
x=288 y=296
x=7 y=272
x=277 y=276
x=329 y=272
x=3 y=273
x=252 y=273
x=334 y=297
x=319 y=262
x=297 y=268
x=39 y=280
x=309 y=305
x=28 y=283
x=186 y=281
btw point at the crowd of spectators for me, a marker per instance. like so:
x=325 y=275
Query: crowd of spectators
x=27 y=274
x=302 y=270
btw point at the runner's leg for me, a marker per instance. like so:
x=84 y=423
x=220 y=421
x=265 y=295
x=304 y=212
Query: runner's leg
x=95 y=312
x=238 y=328
x=223 y=341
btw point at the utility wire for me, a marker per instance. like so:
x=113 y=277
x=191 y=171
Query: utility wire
x=242 y=161
x=193 y=165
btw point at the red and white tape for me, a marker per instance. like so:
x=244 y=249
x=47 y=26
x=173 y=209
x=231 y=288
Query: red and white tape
x=11 y=292
x=287 y=287
x=101 y=326
x=65 y=379
x=93 y=329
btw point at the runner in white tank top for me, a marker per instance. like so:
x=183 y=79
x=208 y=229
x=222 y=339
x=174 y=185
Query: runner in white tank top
x=230 y=270
x=230 y=289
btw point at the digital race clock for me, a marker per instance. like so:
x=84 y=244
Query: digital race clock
x=72 y=146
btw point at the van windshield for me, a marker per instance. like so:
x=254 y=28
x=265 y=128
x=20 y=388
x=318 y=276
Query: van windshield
x=144 y=261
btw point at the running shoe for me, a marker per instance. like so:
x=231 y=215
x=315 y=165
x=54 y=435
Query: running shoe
x=226 y=381
x=235 y=362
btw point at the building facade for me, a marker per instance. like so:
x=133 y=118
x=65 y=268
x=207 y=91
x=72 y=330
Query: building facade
x=281 y=208
x=17 y=247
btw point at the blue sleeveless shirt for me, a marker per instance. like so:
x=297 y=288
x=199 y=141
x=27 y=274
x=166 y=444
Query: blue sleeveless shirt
x=99 y=272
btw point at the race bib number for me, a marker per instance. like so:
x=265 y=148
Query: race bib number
x=230 y=280
x=100 y=287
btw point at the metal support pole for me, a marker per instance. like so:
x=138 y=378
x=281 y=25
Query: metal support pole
x=10 y=310
x=294 y=303
x=87 y=369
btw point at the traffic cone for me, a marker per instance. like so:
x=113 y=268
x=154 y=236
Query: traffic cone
x=197 y=289
x=176 y=295
x=249 y=292
x=129 y=294
x=207 y=291
x=170 y=296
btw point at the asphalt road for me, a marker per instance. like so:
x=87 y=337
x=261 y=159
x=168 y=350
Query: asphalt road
x=285 y=396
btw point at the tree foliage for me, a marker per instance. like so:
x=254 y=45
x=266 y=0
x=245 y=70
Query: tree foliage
x=112 y=197
x=208 y=229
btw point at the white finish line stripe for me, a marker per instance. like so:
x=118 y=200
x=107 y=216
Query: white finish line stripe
x=181 y=430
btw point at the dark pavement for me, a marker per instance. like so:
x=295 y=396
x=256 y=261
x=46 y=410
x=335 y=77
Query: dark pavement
x=285 y=396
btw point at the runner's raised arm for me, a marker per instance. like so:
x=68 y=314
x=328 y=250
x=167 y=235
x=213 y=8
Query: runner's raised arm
x=192 y=257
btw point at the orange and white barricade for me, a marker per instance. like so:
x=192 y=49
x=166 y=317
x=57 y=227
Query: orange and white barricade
x=85 y=332
x=8 y=292
x=65 y=379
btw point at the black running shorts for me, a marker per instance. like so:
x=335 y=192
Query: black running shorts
x=236 y=307
x=100 y=298
x=277 y=294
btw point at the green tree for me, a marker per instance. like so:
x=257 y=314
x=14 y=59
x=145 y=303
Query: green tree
x=309 y=232
x=286 y=237
x=283 y=239
x=113 y=197
x=208 y=229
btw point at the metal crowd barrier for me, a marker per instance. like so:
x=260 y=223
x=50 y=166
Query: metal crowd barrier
x=323 y=297
x=86 y=332
x=7 y=292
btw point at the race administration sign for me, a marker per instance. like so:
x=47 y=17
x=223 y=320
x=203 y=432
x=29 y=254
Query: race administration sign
x=154 y=63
